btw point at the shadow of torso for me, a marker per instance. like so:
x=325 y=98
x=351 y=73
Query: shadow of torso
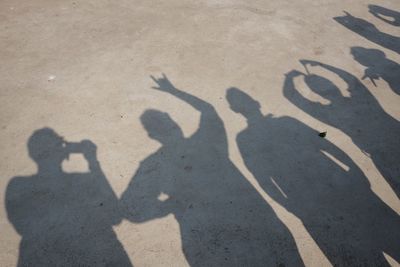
x=65 y=220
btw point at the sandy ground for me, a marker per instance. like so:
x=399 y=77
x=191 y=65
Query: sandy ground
x=82 y=68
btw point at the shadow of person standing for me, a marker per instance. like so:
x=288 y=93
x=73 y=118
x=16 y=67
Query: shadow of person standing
x=369 y=31
x=223 y=220
x=360 y=116
x=319 y=183
x=384 y=14
x=64 y=219
x=378 y=66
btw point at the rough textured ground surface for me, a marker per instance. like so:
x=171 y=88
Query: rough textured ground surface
x=180 y=177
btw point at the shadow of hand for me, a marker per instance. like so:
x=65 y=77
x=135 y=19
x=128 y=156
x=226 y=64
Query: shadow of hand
x=163 y=84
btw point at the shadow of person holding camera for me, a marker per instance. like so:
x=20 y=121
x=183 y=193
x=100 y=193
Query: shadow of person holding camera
x=369 y=31
x=378 y=66
x=64 y=219
x=223 y=220
x=319 y=183
x=360 y=116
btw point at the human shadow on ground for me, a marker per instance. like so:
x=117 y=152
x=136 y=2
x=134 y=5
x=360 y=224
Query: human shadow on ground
x=319 y=183
x=360 y=116
x=369 y=31
x=384 y=14
x=64 y=219
x=378 y=66
x=223 y=220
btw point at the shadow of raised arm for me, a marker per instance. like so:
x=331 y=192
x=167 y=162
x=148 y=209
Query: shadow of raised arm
x=351 y=81
x=382 y=13
x=211 y=127
x=166 y=86
x=369 y=31
x=294 y=96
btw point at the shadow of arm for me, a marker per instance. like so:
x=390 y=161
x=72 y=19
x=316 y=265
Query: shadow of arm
x=13 y=196
x=211 y=126
x=354 y=85
x=369 y=31
x=166 y=86
x=294 y=96
x=104 y=188
x=139 y=202
x=382 y=13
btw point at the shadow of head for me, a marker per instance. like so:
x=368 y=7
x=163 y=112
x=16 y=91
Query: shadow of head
x=160 y=126
x=46 y=147
x=322 y=86
x=242 y=103
x=367 y=56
